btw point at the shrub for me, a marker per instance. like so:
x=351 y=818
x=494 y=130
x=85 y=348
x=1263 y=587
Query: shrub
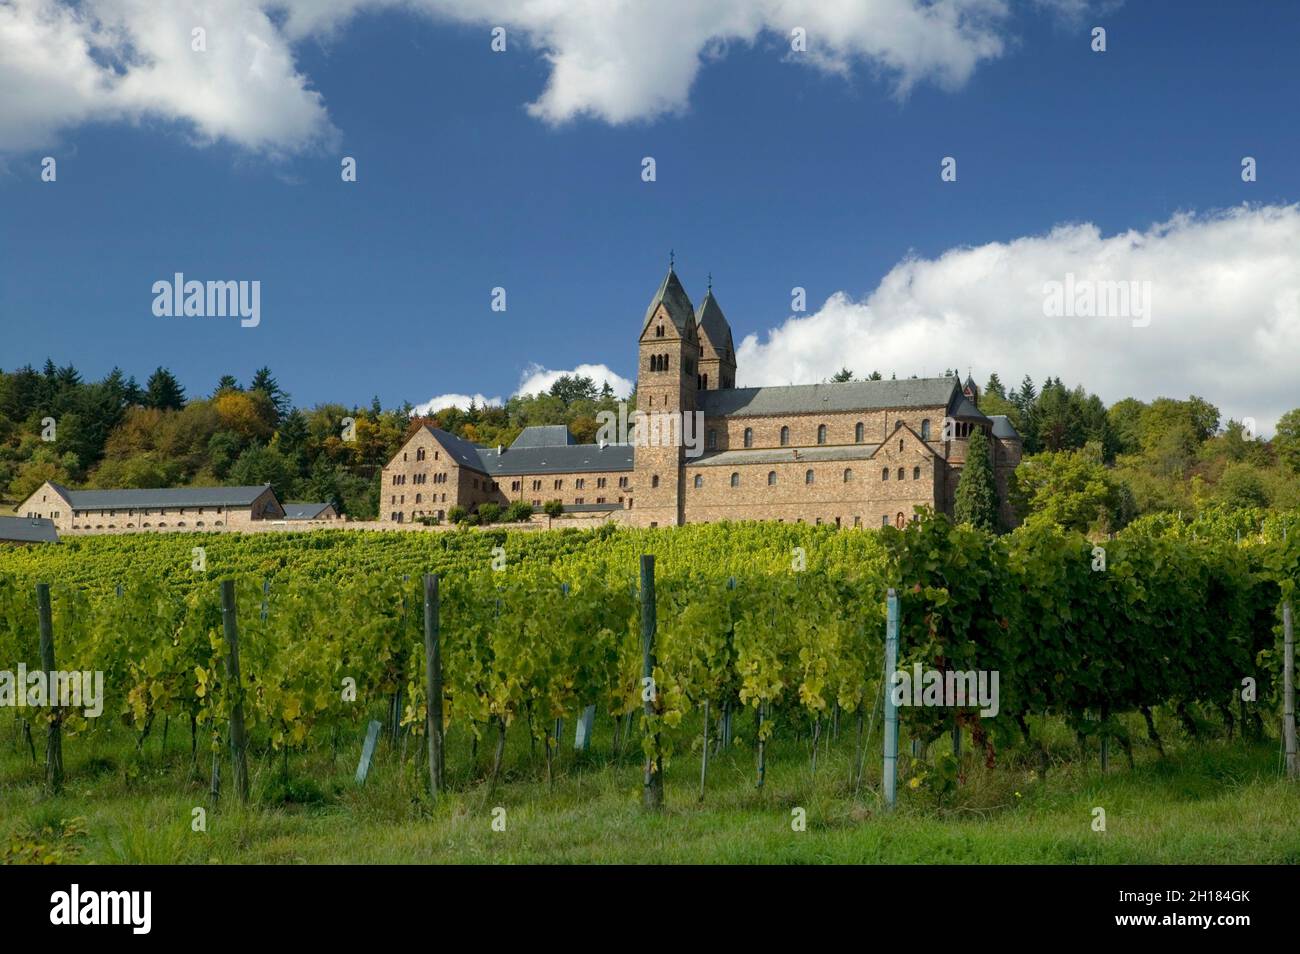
x=519 y=512
x=553 y=508
x=489 y=512
x=457 y=514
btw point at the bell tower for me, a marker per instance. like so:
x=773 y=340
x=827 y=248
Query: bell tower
x=717 y=353
x=667 y=369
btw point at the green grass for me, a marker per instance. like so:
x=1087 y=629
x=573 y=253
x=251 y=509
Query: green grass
x=1211 y=802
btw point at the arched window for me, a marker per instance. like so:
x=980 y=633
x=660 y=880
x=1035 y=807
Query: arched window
x=699 y=481
x=664 y=360
x=916 y=473
x=884 y=474
x=900 y=444
x=749 y=437
x=900 y=473
x=654 y=480
x=925 y=429
x=848 y=474
x=735 y=480
x=807 y=476
x=859 y=432
x=821 y=433
x=659 y=331
x=785 y=436
x=771 y=478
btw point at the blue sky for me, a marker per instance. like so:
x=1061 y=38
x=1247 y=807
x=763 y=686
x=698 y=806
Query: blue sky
x=772 y=172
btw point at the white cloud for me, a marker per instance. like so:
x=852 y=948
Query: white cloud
x=461 y=401
x=63 y=64
x=1225 y=315
x=536 y=379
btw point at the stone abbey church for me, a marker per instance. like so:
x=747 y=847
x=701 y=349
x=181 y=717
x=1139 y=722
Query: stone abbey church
x=853 y=454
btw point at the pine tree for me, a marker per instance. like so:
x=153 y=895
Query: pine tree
x=977 y=492
x=164 y=392
x=264 y=381
x=994 y=386
x=842 y=375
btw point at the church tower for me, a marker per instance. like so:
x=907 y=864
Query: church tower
x=667 y=368
x=717 y=353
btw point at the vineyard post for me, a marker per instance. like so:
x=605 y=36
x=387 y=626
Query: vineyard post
x=891 y=711
x=53 y=734
x=433 y=680
x=1288 y=691
x=238 y=741
x=652 y=783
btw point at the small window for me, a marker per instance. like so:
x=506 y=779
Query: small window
x=699 y=481
x=771 y=478
x=735 y=480
x=900 y=445
x=884 y=474
x=916 y=473
x=925 y=429
x=821 y=433
x=785 y=436
x=654 y=480
x=659 y=331
x=848 y=474
x=884 y=519
x=900 y=473
x=749 y=437
x=808 y=477
x=859 y=432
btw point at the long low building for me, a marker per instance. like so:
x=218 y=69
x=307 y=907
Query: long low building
x=164 y=508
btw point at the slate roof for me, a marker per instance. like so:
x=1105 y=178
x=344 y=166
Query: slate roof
x=834 y=396
x=28 y=530
x=714 y=325
x=555 y=459
x=782 y=455
x=161 y=497
x=550 y=435
x=1002 y=427
x=676 y=301
x=963 y=410
x=304 y=511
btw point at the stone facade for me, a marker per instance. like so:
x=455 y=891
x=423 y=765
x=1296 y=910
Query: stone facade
x=859 y=454
x=137 y=512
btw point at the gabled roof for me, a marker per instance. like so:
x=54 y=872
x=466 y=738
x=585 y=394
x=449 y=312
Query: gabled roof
x=304 y=511
x=549 y=435
x=673 y=297
x=1003 y=428
x=163 y=497
x=461 y=450
x=28 y=530
x=713 y=323
x=834 y=396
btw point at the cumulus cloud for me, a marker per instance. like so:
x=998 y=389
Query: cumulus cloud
x=1224 y=318
x=63 y=64
x=461 y=401
x=536 y=378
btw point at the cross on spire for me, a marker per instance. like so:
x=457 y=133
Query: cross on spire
x=710 y=281
x=671 y=260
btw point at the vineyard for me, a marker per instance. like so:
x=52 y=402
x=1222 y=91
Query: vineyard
x=763 y=633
